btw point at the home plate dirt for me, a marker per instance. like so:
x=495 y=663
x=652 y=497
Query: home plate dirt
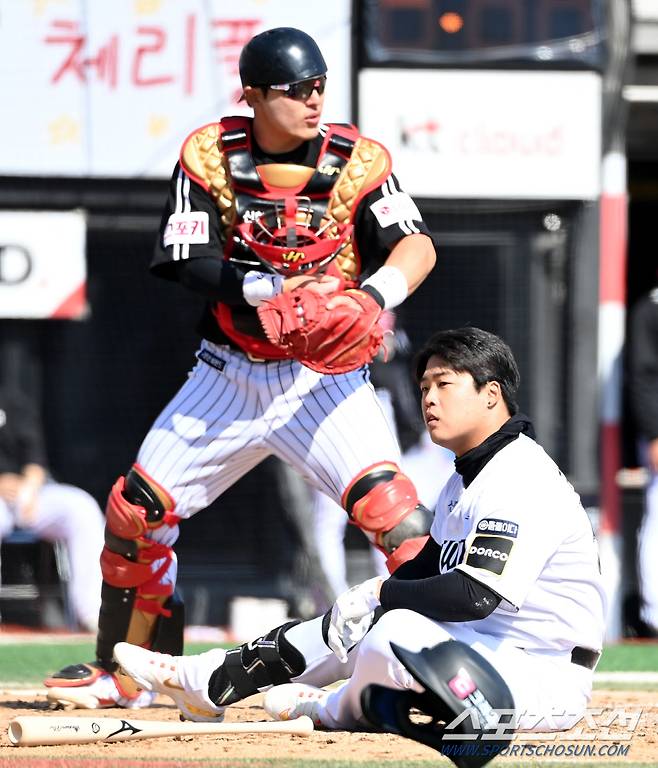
x=623 y=726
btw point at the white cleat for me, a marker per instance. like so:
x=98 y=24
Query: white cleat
x=183 y=678
x=292 y=700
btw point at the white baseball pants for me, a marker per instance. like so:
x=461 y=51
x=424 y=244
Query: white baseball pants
x=232 y=413
x=550 y=693
x=69 y=514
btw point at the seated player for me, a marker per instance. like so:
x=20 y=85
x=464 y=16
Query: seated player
x=31 y=500
x=505 y=598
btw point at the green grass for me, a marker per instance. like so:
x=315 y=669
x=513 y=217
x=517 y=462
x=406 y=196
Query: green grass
x=633 y=657
x=29 y=663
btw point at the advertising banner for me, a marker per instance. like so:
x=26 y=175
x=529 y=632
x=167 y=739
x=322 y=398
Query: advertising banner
x=42 y=264
x=111 y=89
x=486 y=134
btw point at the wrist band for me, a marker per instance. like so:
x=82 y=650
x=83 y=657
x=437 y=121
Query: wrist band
x=258 y=286
x=391 y=285
x=376 y=295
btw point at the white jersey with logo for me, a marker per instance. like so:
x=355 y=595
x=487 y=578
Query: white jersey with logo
x=520 y=529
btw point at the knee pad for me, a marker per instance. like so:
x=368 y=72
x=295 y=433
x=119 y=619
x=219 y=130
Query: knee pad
x=464 y=695
x=135 y=605
x=255 y=666
x=137 y=504
x=384 y=504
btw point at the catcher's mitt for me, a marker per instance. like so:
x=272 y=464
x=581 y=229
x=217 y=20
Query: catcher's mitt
x=327 y=340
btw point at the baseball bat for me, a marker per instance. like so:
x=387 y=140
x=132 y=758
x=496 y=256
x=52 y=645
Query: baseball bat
x=32 y=731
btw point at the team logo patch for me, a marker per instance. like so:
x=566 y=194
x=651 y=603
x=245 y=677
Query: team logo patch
x=452 y=553
x=212 y=360
x=490 y=553
x=462 y=684
x=394 y=209
x=493 y=525
x=186 y=229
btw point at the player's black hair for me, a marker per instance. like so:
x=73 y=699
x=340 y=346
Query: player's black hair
x=482 y=354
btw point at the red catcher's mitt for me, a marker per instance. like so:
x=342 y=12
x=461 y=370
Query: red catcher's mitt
x=327 y=340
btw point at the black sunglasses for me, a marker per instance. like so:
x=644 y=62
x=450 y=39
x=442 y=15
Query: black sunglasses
x=302 y=91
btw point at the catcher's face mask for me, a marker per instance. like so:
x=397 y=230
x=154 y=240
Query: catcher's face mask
x=286 y=240
x=466 y=711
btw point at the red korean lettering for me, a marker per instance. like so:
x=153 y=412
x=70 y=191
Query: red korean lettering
x=75 y=62
x=233 y=35
x=198 y=225
x=190 y=47
x=67 y=33
x=158 y=37
x=105 y=62
x=156 y=42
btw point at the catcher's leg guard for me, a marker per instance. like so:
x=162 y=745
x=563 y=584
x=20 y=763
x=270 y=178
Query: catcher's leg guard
x=384 y=504
x=255 y=666
x=135 y=605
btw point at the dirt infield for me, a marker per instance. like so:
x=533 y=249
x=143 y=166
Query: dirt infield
x=321 y=745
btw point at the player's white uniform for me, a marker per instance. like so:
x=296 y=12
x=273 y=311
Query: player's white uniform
x=647 y=537
x=232 y=413
x=70 y=515
x=518 y=528
x=643 y=378
x=426 y=464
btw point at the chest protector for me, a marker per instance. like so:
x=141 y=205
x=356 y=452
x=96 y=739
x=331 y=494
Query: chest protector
x=282 y=217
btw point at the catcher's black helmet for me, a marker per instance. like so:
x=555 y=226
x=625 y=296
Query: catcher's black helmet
x=280 y=56
x=464 y=696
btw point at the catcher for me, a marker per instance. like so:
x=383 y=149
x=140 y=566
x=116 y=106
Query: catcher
x=298 y=236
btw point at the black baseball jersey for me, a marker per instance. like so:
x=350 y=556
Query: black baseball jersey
x=382 y=217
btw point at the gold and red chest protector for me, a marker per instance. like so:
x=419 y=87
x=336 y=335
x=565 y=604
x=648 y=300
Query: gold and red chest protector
x=281 y=217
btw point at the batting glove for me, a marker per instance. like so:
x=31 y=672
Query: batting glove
x=352 y=615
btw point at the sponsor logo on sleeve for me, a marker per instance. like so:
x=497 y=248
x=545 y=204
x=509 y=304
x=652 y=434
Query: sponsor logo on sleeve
x=493 y=525
x=186 y=228
x=490 y=553
x=394 y=209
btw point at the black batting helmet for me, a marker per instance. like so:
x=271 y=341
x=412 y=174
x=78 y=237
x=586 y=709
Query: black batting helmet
x=280 y=56
x=464 y=696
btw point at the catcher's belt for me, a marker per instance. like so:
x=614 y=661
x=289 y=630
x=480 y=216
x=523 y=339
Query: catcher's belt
x=283 y=217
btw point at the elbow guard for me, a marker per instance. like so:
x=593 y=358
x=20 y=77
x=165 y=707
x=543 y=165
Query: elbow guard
x=384 y=504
